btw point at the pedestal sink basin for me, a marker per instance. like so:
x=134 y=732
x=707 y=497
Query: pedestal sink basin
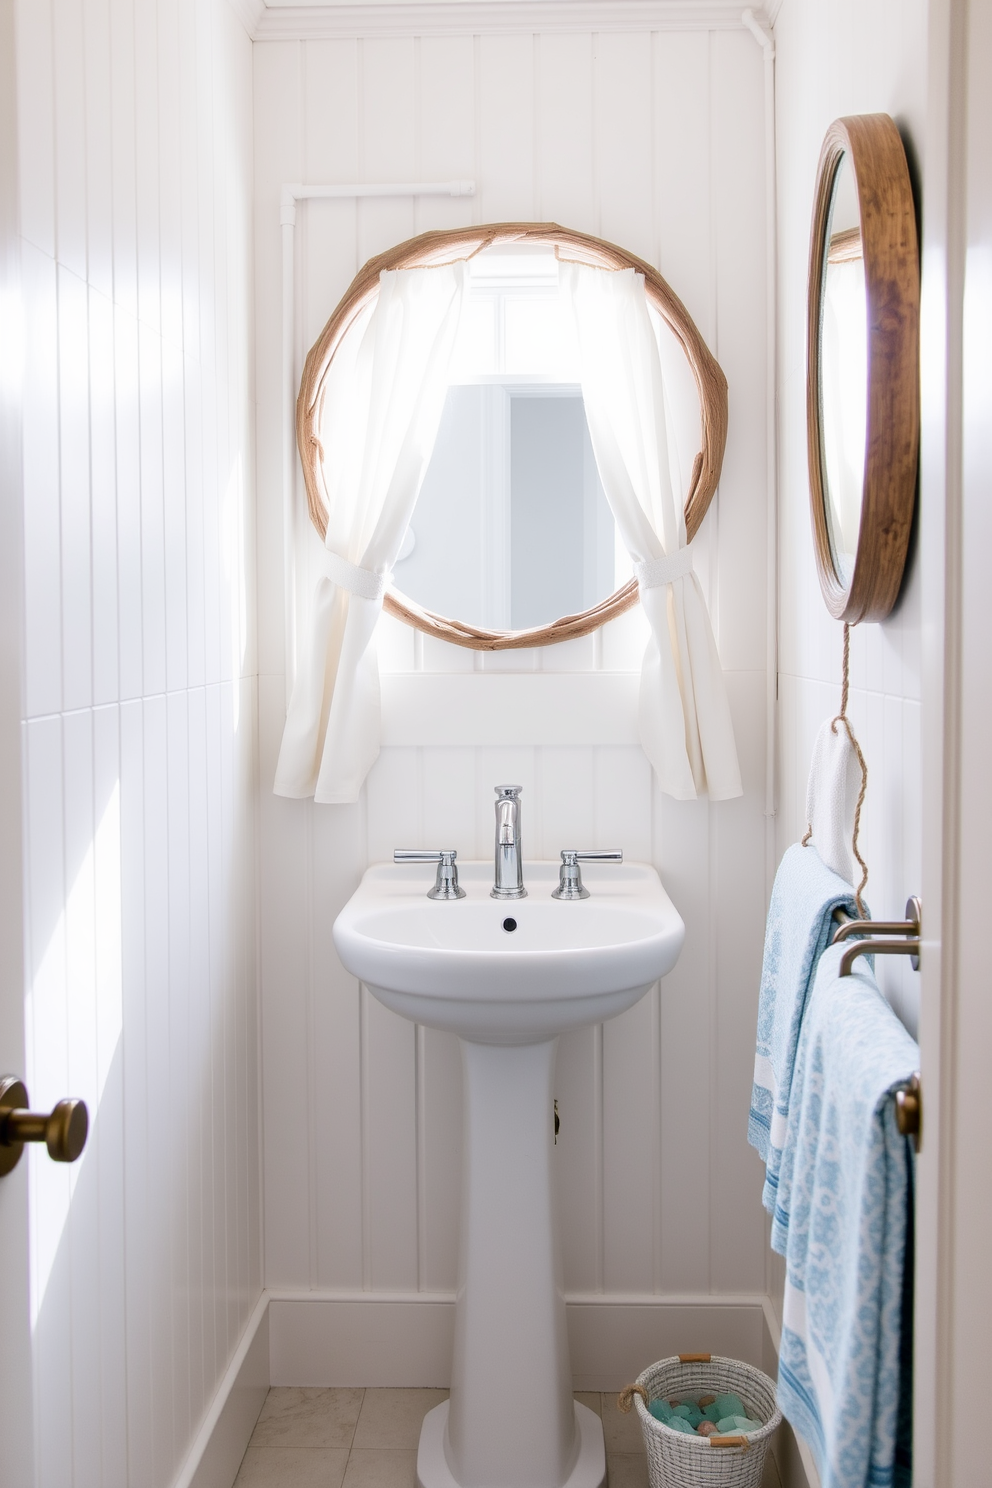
x=508 y=978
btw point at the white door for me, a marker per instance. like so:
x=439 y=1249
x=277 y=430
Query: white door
x=954 y=1289
x=16 y=1433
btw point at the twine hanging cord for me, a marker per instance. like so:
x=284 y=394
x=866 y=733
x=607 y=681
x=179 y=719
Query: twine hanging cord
x=843 y=718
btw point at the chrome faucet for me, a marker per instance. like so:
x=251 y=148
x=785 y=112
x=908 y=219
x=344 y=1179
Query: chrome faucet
x=509 y=881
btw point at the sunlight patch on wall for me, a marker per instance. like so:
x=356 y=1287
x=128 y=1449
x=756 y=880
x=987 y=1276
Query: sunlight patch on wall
x=74 y=1022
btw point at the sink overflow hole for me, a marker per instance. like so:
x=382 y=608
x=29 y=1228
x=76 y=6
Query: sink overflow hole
x=509 y=923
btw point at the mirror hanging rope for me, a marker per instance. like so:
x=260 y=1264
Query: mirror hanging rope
x=843 y=718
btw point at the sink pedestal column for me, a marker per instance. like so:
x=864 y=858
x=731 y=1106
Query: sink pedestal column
x=511 y=1421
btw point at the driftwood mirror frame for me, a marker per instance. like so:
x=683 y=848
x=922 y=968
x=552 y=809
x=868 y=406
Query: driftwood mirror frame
x=892 y=430
x=448 y=246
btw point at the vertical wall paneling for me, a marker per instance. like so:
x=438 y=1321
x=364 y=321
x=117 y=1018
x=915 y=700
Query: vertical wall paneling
x=865 y=60
x=507 y=175
x=738 y=123
x=833 y=60
x=42 y=565
x=139 y=733
x=565 y=123
x=338 y=841
x=654 y=139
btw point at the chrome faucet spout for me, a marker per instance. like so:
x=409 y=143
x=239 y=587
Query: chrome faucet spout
x=509 y=866
x=506 y=822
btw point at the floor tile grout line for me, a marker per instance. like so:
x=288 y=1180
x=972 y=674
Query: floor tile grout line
x=374 y=1404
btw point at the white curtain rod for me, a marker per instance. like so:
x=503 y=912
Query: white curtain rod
x=291 y=193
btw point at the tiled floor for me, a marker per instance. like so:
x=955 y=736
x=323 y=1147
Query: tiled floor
x=309 y=1438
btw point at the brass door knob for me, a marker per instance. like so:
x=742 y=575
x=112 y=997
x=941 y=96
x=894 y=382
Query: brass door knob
x=909 y=1110
x=63 y=1131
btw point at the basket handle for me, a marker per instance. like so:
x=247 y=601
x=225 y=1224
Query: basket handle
x=730 y=1441
x=694 y=1358
x=626 y=1397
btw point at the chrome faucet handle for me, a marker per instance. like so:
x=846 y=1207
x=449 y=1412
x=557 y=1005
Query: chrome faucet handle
x=446 y=884
x=570 y=885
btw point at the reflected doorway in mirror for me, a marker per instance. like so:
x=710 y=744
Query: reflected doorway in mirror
x=844 y=371
x=512 y=527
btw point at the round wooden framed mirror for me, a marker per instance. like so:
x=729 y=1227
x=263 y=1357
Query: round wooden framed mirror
x=862 y=387
x=530 y=394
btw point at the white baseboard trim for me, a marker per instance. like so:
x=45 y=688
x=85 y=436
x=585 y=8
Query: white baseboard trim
x=347 y=1338
x=220 y=1443
x=404 y=1339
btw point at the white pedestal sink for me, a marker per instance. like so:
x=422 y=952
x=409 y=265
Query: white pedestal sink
x=508 y=978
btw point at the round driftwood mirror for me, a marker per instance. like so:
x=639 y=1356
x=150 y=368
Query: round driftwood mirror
x=512 y=463
x=862 y=390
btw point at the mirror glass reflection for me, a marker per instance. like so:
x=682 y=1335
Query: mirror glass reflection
x=512 y=528
x=843 y=371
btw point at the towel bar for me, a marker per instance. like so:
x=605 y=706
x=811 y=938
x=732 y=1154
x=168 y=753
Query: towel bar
x=909 y=1097
x=910 y=927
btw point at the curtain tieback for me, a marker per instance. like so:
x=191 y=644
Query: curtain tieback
x=364 y=582
x=657 y=572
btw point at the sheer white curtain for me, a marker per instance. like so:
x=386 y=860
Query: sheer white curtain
x=685 y=724
x=382 y=406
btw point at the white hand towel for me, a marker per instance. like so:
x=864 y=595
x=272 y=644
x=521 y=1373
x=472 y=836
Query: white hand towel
x=832 y=797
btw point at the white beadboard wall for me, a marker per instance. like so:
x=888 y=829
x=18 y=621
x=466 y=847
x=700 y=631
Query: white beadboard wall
x=139 y=727
x=655 y=140
x=838 y=57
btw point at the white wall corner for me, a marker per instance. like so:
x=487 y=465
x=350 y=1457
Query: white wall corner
x=760 y=27
x=221 y=1442
x=249 y=13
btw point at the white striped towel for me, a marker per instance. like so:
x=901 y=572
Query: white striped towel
x=799 y=926
x=841 y=1223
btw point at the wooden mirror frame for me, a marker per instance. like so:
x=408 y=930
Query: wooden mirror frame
x=458 y=243
x=892 y=429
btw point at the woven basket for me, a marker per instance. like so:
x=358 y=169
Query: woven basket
x=677 y=1460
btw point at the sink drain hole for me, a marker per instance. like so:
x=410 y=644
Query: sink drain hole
x=509 y=923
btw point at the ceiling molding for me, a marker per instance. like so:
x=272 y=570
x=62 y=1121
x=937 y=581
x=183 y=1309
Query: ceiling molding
x=249 y=13
x=278 y=22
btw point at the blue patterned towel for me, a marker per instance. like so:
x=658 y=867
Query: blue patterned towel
x=841 y=1223
x=799 y=927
